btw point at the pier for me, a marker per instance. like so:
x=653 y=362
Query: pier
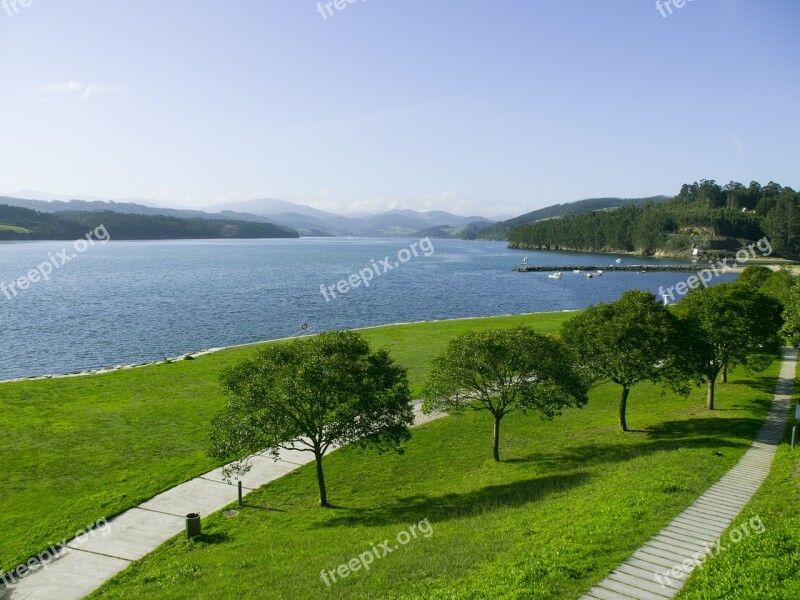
x=609 y=268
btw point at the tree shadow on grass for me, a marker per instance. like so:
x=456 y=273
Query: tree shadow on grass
x=705 y=432
x=212 y=538
x=261 y=507
x=459 y=505
x=697 y=430
x=759 y=383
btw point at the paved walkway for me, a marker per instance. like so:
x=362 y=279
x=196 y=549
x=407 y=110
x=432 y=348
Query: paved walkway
x=131 y=535
x=648 y=574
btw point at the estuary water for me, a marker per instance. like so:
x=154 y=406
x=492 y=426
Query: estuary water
x=120 y=303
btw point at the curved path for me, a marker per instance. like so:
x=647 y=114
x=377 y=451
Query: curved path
x=86 y=564
x=659 y=569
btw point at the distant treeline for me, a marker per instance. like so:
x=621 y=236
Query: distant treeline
x=499 y=231
x=25 y=224
x=702 y=215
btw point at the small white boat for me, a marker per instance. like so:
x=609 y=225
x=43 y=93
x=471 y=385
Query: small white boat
x=589 y=276
x=619 y=261
x=576 y=271
x=555 y=275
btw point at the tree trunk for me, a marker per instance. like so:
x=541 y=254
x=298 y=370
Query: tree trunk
x=623 y=403
x=323 y=494
x=710 y=399
x=725 y=373
x=496 y=448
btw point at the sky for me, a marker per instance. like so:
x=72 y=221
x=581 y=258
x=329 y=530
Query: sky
x=476 y=107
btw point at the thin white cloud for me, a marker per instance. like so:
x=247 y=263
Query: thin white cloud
x=69 y=87
x=82 y=90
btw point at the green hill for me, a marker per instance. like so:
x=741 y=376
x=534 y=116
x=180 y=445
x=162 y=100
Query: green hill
x=703 y=215
x=25 y=224
x=499 y=231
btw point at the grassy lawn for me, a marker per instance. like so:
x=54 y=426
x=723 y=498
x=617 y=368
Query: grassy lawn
x=76 y=450
x=544 y=523
x=767 y=565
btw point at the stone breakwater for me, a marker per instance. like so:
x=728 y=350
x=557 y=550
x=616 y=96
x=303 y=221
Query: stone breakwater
x=608 y=268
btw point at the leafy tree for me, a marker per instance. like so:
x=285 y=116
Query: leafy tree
x=755 y=275
x=503 y=371
x=779 y=285
x=791 y=316
x=625 y=342
x=309 y=395
x=731 y=323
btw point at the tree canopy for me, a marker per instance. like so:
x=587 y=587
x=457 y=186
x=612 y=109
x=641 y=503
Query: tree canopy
x=502 y=371
x=791 y=316
x=311 y=394
x=730 y=323
x=625 y=342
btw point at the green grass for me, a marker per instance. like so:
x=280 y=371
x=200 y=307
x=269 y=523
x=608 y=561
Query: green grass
x=14 y=228
x=545 y=523
x=767 y=565
x=75 y=450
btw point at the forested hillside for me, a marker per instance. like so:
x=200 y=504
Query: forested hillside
x=25 y=224
x=703 y=215
x=499 y=231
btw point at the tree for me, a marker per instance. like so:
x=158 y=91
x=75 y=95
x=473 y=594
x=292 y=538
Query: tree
x=791 y=316
x=779 y=286
x=755 y=275
x=503 y=371
x=625 y=342
x=731 y=323
x=309 y=395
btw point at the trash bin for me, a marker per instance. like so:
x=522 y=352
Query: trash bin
x=192 y=525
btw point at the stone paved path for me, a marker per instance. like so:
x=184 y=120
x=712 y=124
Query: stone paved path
x=647 y=575
x=131 y=535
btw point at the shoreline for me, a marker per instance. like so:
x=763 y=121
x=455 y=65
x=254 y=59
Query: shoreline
x=197 y=353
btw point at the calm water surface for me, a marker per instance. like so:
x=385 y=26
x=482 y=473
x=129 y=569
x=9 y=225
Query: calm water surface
x=129 y=302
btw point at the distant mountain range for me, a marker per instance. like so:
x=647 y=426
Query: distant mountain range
x=310 y=221
x=303 y=219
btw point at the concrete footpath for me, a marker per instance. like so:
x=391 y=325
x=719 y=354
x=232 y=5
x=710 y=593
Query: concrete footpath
x=654 y=571
x=95 y=559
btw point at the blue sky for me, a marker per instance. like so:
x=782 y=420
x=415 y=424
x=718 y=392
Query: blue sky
x=475 y=107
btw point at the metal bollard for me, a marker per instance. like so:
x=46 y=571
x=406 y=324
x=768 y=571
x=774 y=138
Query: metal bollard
x=240 y=493
x=794 y=435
